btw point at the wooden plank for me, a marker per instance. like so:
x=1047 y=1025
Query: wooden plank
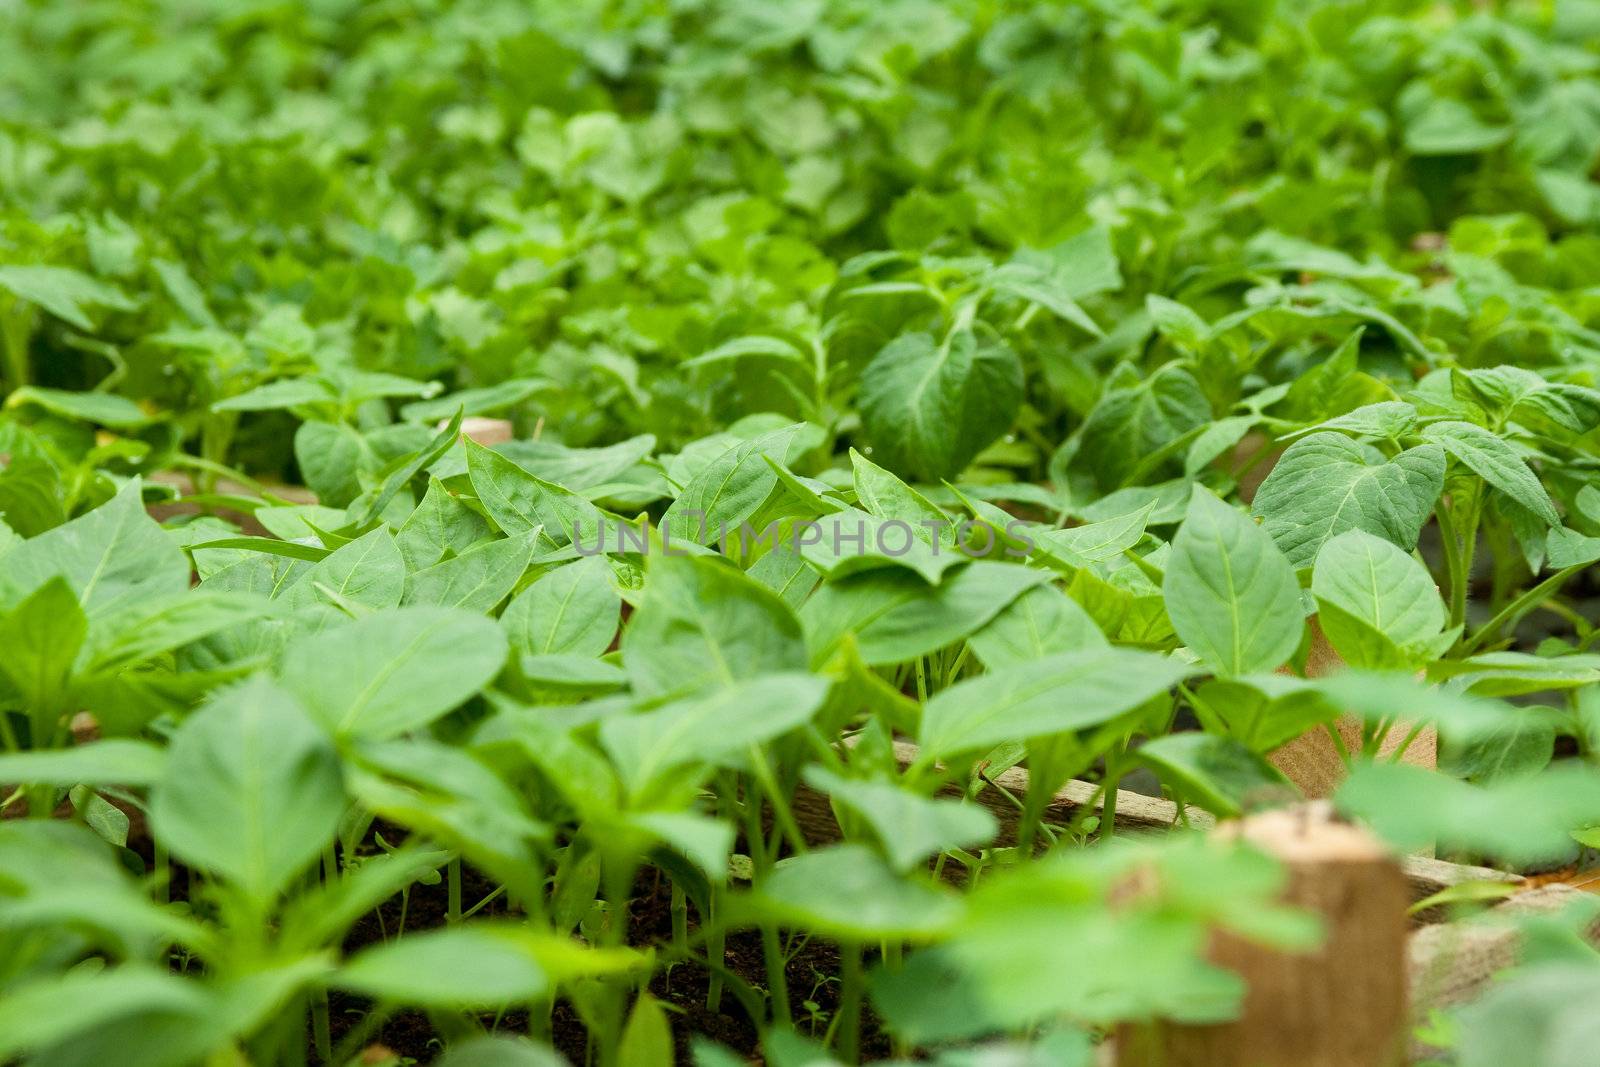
x=1135 y=812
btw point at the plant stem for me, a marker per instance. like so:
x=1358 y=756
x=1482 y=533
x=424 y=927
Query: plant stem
x=163 y=872
x=777 y=980
x=850 y=987
x=1455 y=578
x=1519 y=607
x=1108 y=810
x=716 y=948
x=680 y=916
x=321 y=1033
x=453 y=891
x=16 y=324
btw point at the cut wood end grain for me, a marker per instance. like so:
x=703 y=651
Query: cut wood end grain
x=485 y=431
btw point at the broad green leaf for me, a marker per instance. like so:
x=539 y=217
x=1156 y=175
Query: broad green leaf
x=710 y=729
x=702 y=625
x=393 y=671
x=252 y=789
x=478 y=966
x=170 y=624
x=578 y=469
x=1326 y=484
x=930 y=407
x=1041 y=622
x=847 y=893
x=440 y=525
x=112 y=761
x=470 y=402
x=747 y=348
x=1067 y=691
x=880 y=493
x=896 y=616
x=909 y=827
x=1519 y=820
x=1368 y=579
x=332 y=457
x=42 y=637
x=134 y=1015
x=647 y=1038
x=1565 y=548
x=477 y=580
x=1262 y=711
x=1231 y=594
x=1496 y=462
x=1094 y=542
x=1135 y=421
x=520 y=502
x=368 y=571
x=1386 y=418
x=850 y=541
x=572 y=610
x=114 y=557
x=1536 y=1014
x=63 y=292
x=728 y=490
x=398 y=474
x=1218 y=773
x=104 y=409
x=280 y=395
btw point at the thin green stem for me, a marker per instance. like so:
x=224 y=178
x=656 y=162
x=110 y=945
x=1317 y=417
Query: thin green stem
x=1454 y=576
x=850 y=990
x=16 y=325
x=1519 y=607
x=321 y=1031
x=680 y=916
x=777 y=979
x=453 y=890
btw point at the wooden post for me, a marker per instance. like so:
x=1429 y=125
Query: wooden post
x=1312 y=761
x=1342 y=1005
x=485 y=431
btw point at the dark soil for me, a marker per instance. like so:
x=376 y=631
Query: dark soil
x=811 y=974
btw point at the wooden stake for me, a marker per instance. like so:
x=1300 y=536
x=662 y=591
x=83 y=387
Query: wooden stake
x=1342 y=1005
x=1135 y=812
x=485 y=431
x=1312 y=761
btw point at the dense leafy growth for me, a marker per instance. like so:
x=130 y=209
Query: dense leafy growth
x=899 y=392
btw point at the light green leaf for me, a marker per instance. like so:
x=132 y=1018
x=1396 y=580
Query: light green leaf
x=520 y=502
x=929 y=407
x=63 y=292
x=728 y=490
x=849 y=894
x=702 y=624
x=909 y=827
x=1231 y=594
x=252 y=789
x=572 y=610
x=104 y=409
x=393 y=671
x=896 y=616
x=1067 y=691
x=1041 y=622
x=710 y=729
x=114 y=557
x=1368 y=579
x=1326 y=484
x=1218 y=773
x=1496 y=462
x=478 y=966
x=477 y=580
